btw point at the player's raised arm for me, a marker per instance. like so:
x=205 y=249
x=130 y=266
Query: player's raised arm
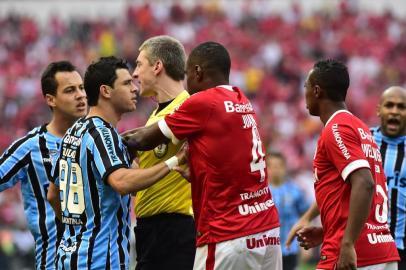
x=126 y=181
x=145 y=138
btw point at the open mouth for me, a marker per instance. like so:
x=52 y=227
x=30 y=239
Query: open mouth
x=81 y=106
x=393 y=123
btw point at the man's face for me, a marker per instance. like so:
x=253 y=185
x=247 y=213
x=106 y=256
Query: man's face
x=276 y=169
x=124 y=92
x=392 y=111
x=70 y=97
x=309 y=96
x=144 y=74
x=191 y=78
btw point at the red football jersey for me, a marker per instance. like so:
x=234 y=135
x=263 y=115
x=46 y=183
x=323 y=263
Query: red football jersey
x=344 y=146
x=230 y=194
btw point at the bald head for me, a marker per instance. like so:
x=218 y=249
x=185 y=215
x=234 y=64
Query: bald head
x=392 y=111
x=397 y=91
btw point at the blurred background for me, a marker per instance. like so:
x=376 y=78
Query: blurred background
x=273 y=45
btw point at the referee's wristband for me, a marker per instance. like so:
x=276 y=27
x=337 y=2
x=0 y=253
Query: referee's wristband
x=172 y=162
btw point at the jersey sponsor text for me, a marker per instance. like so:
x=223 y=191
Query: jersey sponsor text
x=238 y=108
x=246 y=209
x=340 y=142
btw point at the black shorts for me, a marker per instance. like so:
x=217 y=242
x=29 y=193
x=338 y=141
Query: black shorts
x=165 y=241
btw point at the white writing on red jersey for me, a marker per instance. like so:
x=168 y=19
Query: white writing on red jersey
x=365 y=135
x=246 y=209
x=264 y=241
x=340 y=142
x=371 y=152
x=377 y=227
x=255 y=194
x=239 y=108
x=373 y=238
x=248 y=121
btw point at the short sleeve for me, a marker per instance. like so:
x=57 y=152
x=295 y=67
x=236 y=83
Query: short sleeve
x=343 y=147
x=12 y=162
x=189 y=119
x=107 y=150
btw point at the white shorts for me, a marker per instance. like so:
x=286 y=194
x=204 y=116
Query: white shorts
x=381 y=266
x=260 y=251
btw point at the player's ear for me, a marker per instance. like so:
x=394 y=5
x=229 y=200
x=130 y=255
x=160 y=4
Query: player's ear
x=158 y=67
x=317 y=91
x=198 y=72
x=50 y=99
x=378 y=109
x=105 y=91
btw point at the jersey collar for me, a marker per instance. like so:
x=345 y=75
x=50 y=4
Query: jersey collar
x=334 y=114
x=227 y=87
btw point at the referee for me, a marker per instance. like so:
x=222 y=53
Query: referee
x=391 y=137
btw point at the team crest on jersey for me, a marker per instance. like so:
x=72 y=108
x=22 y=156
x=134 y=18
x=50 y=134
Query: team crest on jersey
x=53 y=153
x=161 y=150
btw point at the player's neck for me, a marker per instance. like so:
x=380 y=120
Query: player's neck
x=59 y=125
x=329 y=108
x=106 y=113
x=168 y=89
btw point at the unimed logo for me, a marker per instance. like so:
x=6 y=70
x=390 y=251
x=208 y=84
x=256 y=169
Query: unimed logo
x=264 y=241
x=373 y=238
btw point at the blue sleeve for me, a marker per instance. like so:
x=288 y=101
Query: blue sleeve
x=107 y=150
x=12 y=163
x=302 y=204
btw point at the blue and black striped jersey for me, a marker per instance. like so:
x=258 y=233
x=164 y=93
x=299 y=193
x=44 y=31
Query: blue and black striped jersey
x=96 y=217
x=394 y=163
x=29 y=160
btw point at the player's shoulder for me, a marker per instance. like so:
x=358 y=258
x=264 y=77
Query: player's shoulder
x=32 y=135
x=28 y=141
x=97 y=126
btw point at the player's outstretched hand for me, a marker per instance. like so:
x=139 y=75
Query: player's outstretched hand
x=348 y=258
x=126 y=135
x=182 y=154
x=300 y=224
x=310 y=237
x=183 y=170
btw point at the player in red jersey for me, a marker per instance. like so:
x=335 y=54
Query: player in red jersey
x=350 y=185
x=236 y=219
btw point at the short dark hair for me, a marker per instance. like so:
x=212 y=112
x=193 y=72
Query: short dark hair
x=212 y=57
x=102 y=72
x=278 y=155
x=332 y=76
x=48 y=81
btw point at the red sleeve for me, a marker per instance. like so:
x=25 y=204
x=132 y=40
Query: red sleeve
x=343 y=148
x=189 y=119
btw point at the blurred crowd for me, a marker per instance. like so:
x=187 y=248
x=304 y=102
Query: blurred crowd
x=271 y=55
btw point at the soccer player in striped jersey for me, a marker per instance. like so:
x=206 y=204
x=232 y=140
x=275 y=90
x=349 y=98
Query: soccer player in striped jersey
x=390 y=136
x=28 y=159
x=93 y=176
